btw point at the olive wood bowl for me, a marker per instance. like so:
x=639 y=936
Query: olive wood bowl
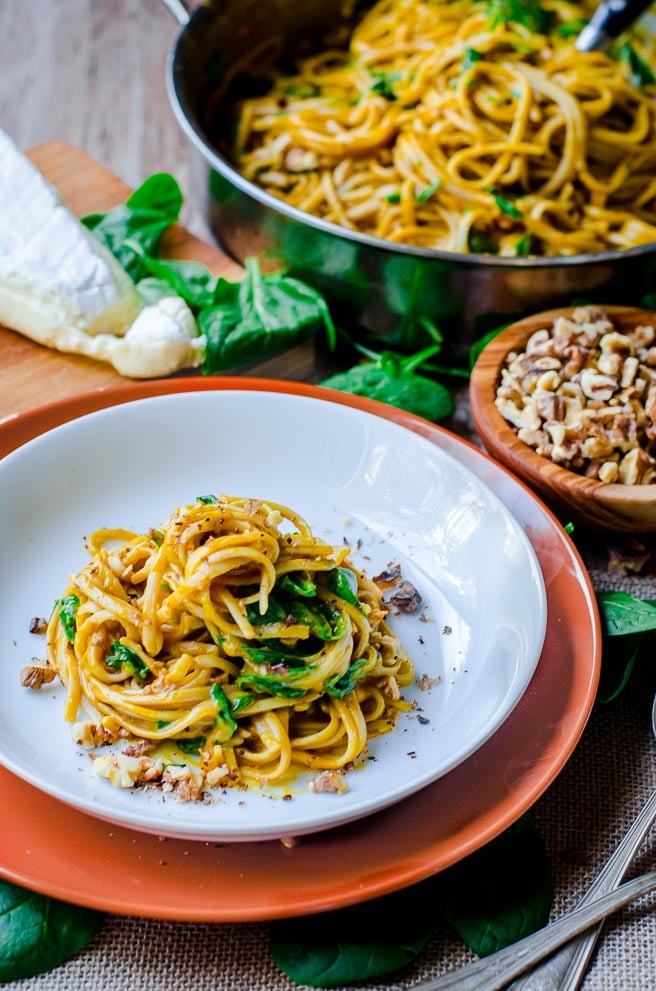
x=575 y=498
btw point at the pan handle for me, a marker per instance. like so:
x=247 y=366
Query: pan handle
x=179 y=10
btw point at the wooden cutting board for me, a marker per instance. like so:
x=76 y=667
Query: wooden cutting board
x=32 y=375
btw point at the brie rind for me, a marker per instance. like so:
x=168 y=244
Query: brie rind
x=53 y=272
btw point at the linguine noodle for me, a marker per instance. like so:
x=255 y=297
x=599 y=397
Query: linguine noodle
x=465 y=126
x=235 y=633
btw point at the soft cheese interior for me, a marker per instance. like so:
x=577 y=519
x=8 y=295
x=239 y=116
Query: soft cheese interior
x=62 y=288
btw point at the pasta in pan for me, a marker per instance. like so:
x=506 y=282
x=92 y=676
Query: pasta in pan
x=467 y=126
x=233 y=633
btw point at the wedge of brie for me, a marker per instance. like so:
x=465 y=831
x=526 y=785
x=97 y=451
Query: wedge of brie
x=62 y=288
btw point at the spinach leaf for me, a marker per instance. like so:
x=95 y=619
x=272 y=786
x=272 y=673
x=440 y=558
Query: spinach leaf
x=621 y=613
x=151 y=290
x=38 y=933
x=189 y=744
x=619 y=658
x=639 y=72
x=298 y=583
x=353 y=944
x=482 y=342
x=391 y=378
x=470 y=58
x=383 y=83
x=270 y=685
x=528 y=13
x=340 y=685
x=274 y=613
x=209 y=500
x=223 y=713
x=68 y=607
x=428 y=191
x=508 y=208
x=141 y=220
x=190 y=280
x=480 y=243
x=344 y=583
x=523 y=246
x=121 y=656
x=502 y=892
x=263 y=314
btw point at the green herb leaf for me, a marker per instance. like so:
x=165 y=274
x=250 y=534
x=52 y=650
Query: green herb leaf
x=393 y=198
x=523 y=246
x=619 y=658
x=67 y=608
x=470 y=58
x=353 y=944
x=508 y=208
x=482 y=342
x=527 y=13
x=189 y=744
x=480 y=243
x=344 y=583
x=570 y=29
x=209 y=500
x=639 y=72
x=501 y=893
x=621 y=613
x=297 y=583
x=190 y=280
x=383 y=83
x=38 y=933
x=340 y=685
x=426 y=193
x=269 y=685
x=302 y=90
x=223 y=712
x=392 y=379
x=260 y=316
x=121 y=656
x=241 y=702
x=142 y=220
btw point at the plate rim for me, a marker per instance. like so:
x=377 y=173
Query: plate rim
x=22 y=868
x=143 y=816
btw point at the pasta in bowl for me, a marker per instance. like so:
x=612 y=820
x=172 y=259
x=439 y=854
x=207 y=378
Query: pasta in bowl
x=235 y=634
x=465 y=126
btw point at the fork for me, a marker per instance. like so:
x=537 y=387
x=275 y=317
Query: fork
x=564 y=970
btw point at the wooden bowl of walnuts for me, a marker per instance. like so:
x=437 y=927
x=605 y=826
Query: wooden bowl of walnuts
x=566 y=399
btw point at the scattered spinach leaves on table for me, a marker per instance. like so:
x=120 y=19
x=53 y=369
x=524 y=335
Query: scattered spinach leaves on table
x=38 y=933
x=629 y=635
x=492 y=898
x=144 y=217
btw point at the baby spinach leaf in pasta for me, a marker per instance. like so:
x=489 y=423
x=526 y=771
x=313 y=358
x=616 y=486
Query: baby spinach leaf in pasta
x=259 y=316
x=344 y=583
x=189 y=744
x=528 y=13
x=270 y=685
x=392 y=378
x=141 y=220
x=38 y=933
x=383 y=83
x=223 y=713
x=639 y=72
x=121 y=656
x=340 y=685
x=508 y=208
x=298 y=583
x=428 y=191
x=67 y=609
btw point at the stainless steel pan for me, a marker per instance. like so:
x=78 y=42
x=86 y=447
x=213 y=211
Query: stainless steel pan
x=384 y=288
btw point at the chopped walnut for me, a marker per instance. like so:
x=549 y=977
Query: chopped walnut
x=406 y=598
x=38 y=624
x=36 y=675
x=329 y=781
x=584 y=395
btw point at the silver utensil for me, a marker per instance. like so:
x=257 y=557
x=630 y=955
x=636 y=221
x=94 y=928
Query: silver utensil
x=609 y=20
x=494 y=972
x=565 y=969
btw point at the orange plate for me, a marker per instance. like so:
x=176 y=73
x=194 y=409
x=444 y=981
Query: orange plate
x=52 y=848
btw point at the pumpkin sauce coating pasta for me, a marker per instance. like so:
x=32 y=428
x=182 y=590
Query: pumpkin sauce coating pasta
x=466 y=126
x=231 y=634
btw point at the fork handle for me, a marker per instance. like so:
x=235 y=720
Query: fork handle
x=564 y=970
